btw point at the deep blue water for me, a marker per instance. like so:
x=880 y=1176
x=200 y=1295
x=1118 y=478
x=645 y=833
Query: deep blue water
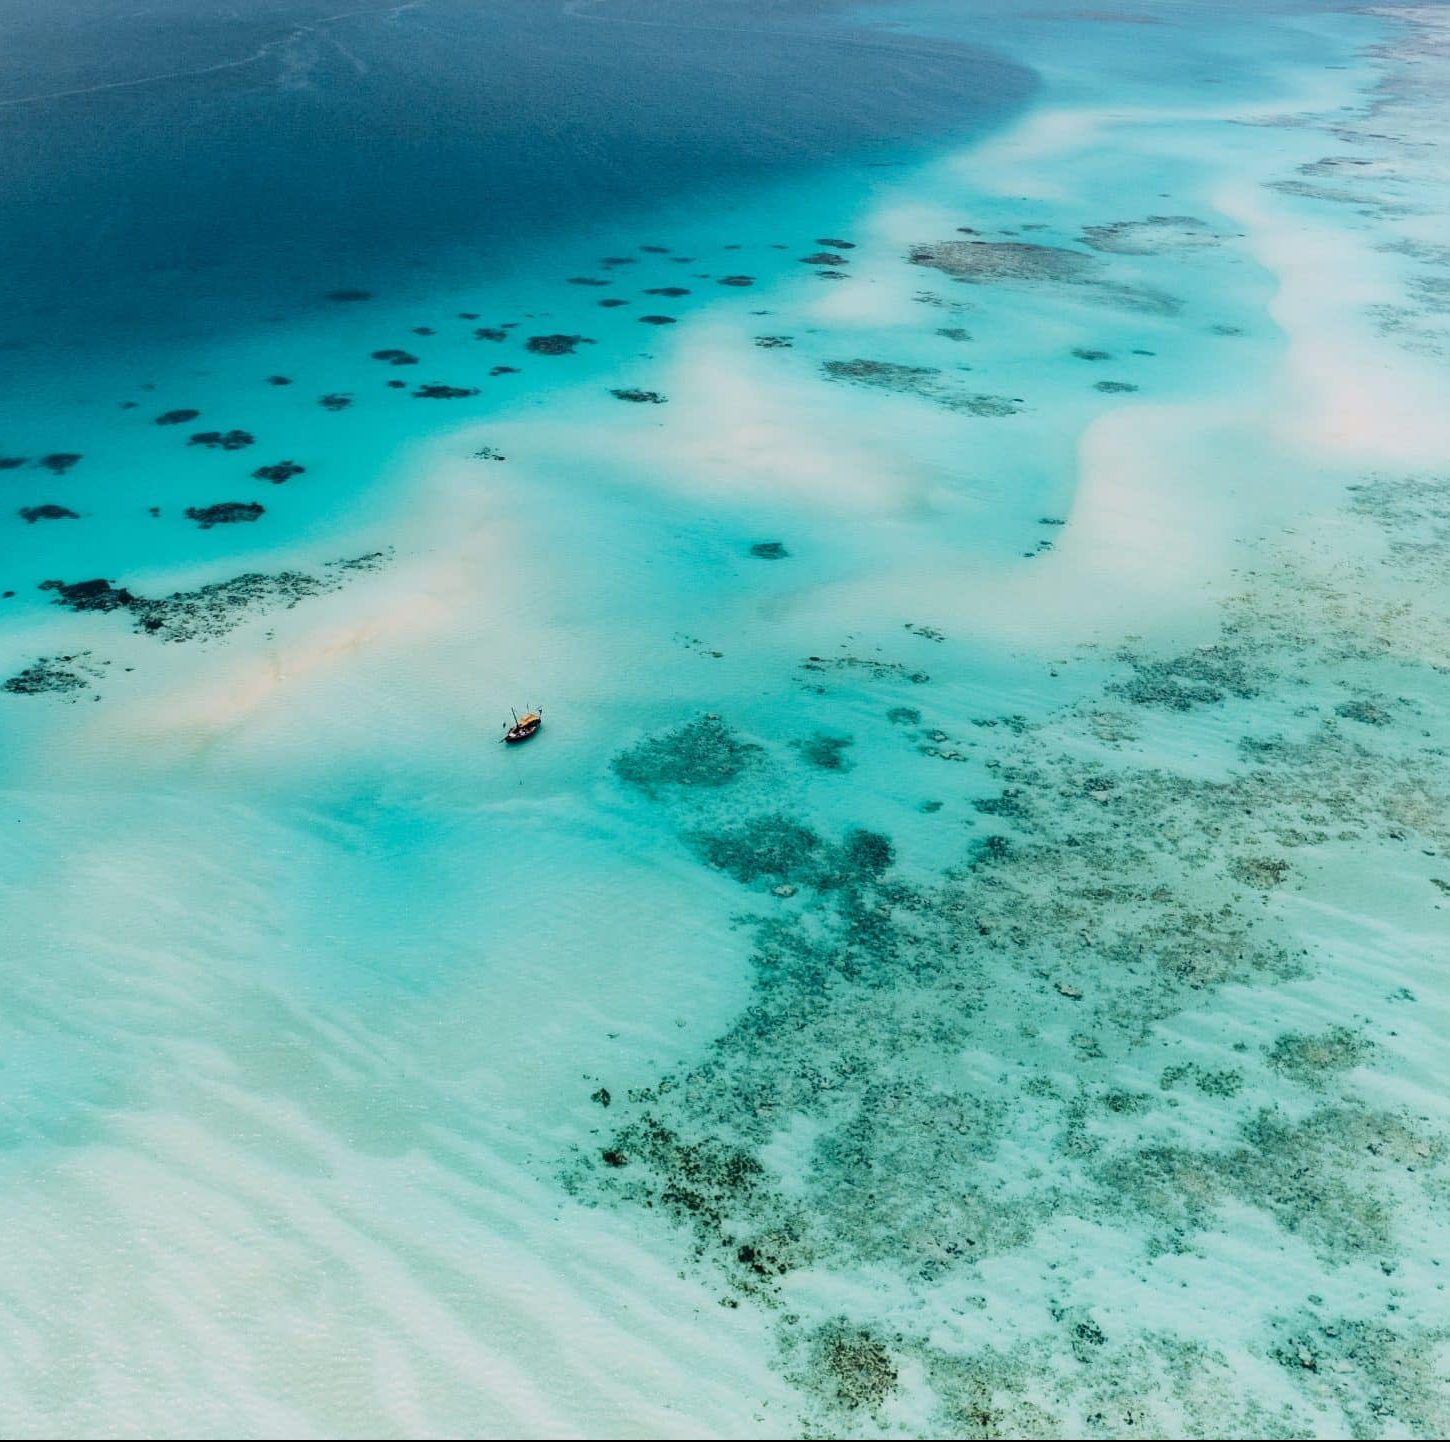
x=182 y=169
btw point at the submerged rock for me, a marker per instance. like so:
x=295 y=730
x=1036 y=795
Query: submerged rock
x=177 y=417
x=639 y=397
x=395 y=357
x=59 y=462
x=769 y=550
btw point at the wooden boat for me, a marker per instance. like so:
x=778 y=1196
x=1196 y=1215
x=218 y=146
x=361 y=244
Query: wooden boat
x=524 y=727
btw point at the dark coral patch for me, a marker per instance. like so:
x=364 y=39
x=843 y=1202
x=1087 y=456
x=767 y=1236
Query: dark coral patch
x=11 y=463
x=612 y=301
x=222 y=440
x=586 y=280
x=769 y=551
x=701 y=753
x=981 y=260
x=1115 y=387
x=282 y=471
x=653 y=398
x=48 y=512
x=490 y=332
x=210 y=610
x=223 y=513
x=50 y=675
x=437 y=392
x=737 y=280
x=667 y=290
x=279 y=380
x=657 y=319
x=556 y=344
x=836 y=244
x=504 y=371
x=59 y=462
x=655 y=249
x=424 y=330
x=177 y=417
x=335 y=401
x=823 y=257
x=97 y=595
x=393 y=356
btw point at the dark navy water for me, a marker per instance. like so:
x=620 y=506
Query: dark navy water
x=184 y=167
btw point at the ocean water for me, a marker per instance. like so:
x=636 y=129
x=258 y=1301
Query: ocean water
x=964 y=955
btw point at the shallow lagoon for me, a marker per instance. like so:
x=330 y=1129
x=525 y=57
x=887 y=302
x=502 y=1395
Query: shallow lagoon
x=962 y=955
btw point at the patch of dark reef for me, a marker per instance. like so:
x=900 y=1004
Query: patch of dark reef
x=826 y=752
x=657 y=320
x=54 y=676
x=927 y=382
x=982 y=262
x=59 y=462
x=701 y=753
x=224 y=513
x=335 y=401
x=47 y=512
x=1157 y=235
x=395 y=357
x=177 y=417
x=639 y=397
x=986 y=262
x=556 y=344
x=279 y=473
x=437 y=392
x=222 y=440
x=209 y=611
x=769 y=551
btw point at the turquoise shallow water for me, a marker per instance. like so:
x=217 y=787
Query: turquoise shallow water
x=962 y=956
